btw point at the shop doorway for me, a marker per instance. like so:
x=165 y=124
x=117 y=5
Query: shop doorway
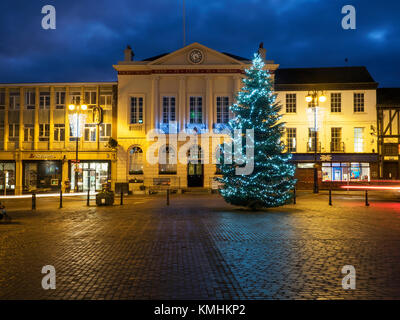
x=195 y=167
x=97 y=172
x=390 y=170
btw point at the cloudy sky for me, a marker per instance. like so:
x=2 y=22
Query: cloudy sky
x=90 y=35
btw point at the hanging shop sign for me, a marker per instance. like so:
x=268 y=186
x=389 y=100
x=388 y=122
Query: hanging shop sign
x=97 y=115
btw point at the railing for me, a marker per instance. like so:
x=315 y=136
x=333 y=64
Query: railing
x=311 y=147
x=337 y=146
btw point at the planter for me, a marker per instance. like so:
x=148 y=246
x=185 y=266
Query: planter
x=105 y=198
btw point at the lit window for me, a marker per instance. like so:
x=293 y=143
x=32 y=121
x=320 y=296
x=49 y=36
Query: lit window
x=167 y=160
x=358 y=139
x=136 y=161
x=291 y=139
x=105 y=131
x=90 y=132
x=196 y=109
x=59 y=132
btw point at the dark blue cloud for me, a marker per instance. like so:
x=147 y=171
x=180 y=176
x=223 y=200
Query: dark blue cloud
x=91 y=35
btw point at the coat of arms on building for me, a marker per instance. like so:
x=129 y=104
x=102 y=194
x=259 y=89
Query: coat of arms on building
x=325 y=157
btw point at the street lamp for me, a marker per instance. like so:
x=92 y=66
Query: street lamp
x=314 y=97
x=77 y=109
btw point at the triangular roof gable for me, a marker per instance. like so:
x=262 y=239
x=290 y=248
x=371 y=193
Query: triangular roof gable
x=178 y=56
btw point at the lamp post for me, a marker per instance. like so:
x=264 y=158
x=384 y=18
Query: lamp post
x=314 y=97
x=77 y=109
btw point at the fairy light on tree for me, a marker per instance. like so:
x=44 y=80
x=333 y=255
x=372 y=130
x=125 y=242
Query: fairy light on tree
x=271 y=181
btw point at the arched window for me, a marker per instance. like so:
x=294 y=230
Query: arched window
x=136 y=161
x=167 y=160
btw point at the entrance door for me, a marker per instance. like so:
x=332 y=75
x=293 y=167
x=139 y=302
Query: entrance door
x=195 y=169
x=390 y=170
x=195 y=175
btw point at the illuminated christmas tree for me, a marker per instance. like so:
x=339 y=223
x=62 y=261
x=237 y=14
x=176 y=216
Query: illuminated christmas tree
x=271 y=181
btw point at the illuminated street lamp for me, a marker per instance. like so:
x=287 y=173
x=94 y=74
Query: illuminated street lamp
x=77 y=109
x=315 y=96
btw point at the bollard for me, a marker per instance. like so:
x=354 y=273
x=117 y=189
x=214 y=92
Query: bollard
x=167 y=197
x=122 y=197
x=330 y=196
x=33 y=201
x=366 y=198
x=294 y=195
x=60 y=198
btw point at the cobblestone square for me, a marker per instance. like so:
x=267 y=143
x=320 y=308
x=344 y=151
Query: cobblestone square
x=201 y=248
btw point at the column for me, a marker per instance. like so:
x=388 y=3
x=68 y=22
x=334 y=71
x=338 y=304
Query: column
x=18 y=176
x=154 y=110
x=21 y=118
x=210 y=102
x=36 y=130
x=6 y=127
x=64 y=174
x=182 y=110
x=51 y=117
x=66 y=119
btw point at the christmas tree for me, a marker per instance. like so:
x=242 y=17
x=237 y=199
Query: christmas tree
x=271 y=181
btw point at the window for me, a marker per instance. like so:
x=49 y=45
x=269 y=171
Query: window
x=358 y=139
x=291 y=139
x=136 y=161
x=14 y=101
x=359 y=102
x=290 y=103
x=28 y=132
x=336 y=102
x=106 y=101
x=136 y=110
x=196 y=109
x=390 y=149
x=44 y=100
x=312 y=140
x=60 y=100
x=167 y=160
x=336 y=139
x=345 y=171
x=90 y=97
x=13 y=132
x=90 y=132
x=59 y=132
x=2 y=100
x=30 y=100
x=75 y=97
x=312 y=103
x=44 y=132
x=222 y=109
x=105 y=131
x=169 y=111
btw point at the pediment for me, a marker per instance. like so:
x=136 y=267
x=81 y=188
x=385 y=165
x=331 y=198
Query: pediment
x=196 y=54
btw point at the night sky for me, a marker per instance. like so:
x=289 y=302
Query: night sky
x=91 y=35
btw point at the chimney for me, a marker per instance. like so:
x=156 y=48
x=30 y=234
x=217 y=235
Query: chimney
x=128 y=53
x=261 y=51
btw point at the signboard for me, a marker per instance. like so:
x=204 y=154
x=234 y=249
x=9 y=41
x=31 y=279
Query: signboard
x=97 y=115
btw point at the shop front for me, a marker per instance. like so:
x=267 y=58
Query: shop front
x=7 y=177
x=93 y=173
x=41 y=175
x=335 y=170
